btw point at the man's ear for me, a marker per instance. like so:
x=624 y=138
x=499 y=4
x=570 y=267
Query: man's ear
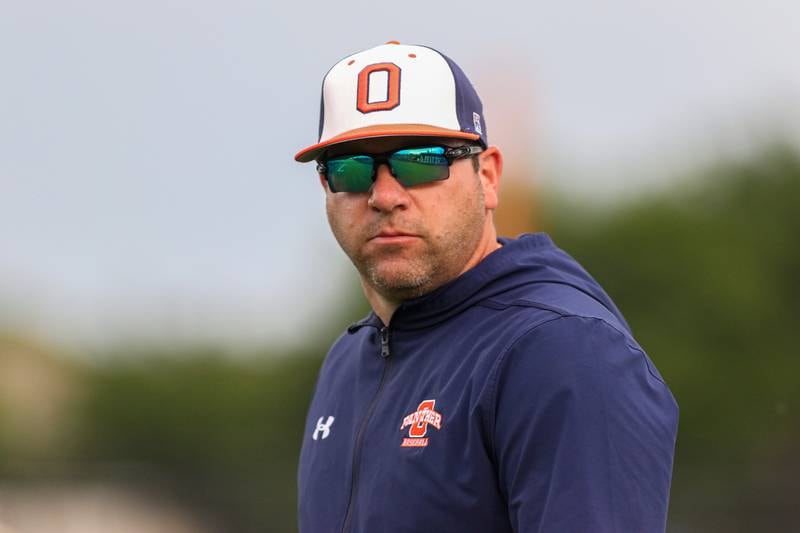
x=491 y=170
x=323 y=182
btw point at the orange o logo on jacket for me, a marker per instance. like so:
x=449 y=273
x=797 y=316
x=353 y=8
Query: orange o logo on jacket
x=418 y=423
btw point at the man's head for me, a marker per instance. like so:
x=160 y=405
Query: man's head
x=410 y=180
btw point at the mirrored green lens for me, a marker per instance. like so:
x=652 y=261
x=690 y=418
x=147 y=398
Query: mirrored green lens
x=415 y=166
x=350 y=174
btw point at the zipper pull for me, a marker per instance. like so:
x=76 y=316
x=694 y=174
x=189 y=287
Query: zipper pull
x=385 y=342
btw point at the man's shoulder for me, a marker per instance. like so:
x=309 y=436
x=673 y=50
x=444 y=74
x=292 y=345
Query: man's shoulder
x=540 y=302
x=553 y=344
x=531 y=271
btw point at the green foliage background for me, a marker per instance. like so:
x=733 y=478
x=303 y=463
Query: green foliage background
x=708 y=275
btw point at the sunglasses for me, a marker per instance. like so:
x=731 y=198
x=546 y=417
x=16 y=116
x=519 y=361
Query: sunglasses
x=409 y=166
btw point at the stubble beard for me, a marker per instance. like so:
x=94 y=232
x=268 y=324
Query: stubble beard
x=415 y=277
x=401 y=277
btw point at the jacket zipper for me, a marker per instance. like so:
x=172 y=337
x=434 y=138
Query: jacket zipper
x=385 y=353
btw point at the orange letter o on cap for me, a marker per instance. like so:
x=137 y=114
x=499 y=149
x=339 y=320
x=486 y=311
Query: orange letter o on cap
x=392 y=92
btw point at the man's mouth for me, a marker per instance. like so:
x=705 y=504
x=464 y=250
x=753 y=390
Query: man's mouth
x=388 y=236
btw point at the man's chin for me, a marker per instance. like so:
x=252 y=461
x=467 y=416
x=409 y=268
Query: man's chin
x=401 y=283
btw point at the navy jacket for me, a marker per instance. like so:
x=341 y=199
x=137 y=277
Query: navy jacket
x=512 y=399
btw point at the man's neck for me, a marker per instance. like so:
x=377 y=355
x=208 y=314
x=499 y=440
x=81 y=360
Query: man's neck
x=381 y=305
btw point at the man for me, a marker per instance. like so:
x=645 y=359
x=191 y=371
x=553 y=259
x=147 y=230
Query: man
x=495 y=387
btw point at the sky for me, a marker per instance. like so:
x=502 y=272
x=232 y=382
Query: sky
x=147 y=186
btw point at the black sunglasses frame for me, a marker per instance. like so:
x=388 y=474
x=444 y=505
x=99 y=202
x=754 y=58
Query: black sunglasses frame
x=451 y=154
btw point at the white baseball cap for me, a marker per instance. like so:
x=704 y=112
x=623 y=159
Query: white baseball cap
x=396 y=90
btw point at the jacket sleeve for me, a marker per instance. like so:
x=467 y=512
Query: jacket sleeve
x=584 y=431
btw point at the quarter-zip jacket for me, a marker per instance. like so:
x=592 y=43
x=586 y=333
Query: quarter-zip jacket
x=512 y=399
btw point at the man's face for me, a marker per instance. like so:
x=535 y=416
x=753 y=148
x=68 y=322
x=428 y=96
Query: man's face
x=405 y=242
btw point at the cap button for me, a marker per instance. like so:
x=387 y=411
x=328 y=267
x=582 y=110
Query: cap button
x=392 y=42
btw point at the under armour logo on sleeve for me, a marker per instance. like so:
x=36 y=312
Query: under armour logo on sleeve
x=324 y=428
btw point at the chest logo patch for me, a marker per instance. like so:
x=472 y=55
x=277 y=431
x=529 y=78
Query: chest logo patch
x=417 y=424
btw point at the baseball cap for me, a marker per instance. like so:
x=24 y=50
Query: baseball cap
x=396 y=90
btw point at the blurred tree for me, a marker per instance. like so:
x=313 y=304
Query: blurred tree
x=223 y=434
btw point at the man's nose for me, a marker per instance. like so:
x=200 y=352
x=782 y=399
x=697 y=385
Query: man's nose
x=387 y=193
